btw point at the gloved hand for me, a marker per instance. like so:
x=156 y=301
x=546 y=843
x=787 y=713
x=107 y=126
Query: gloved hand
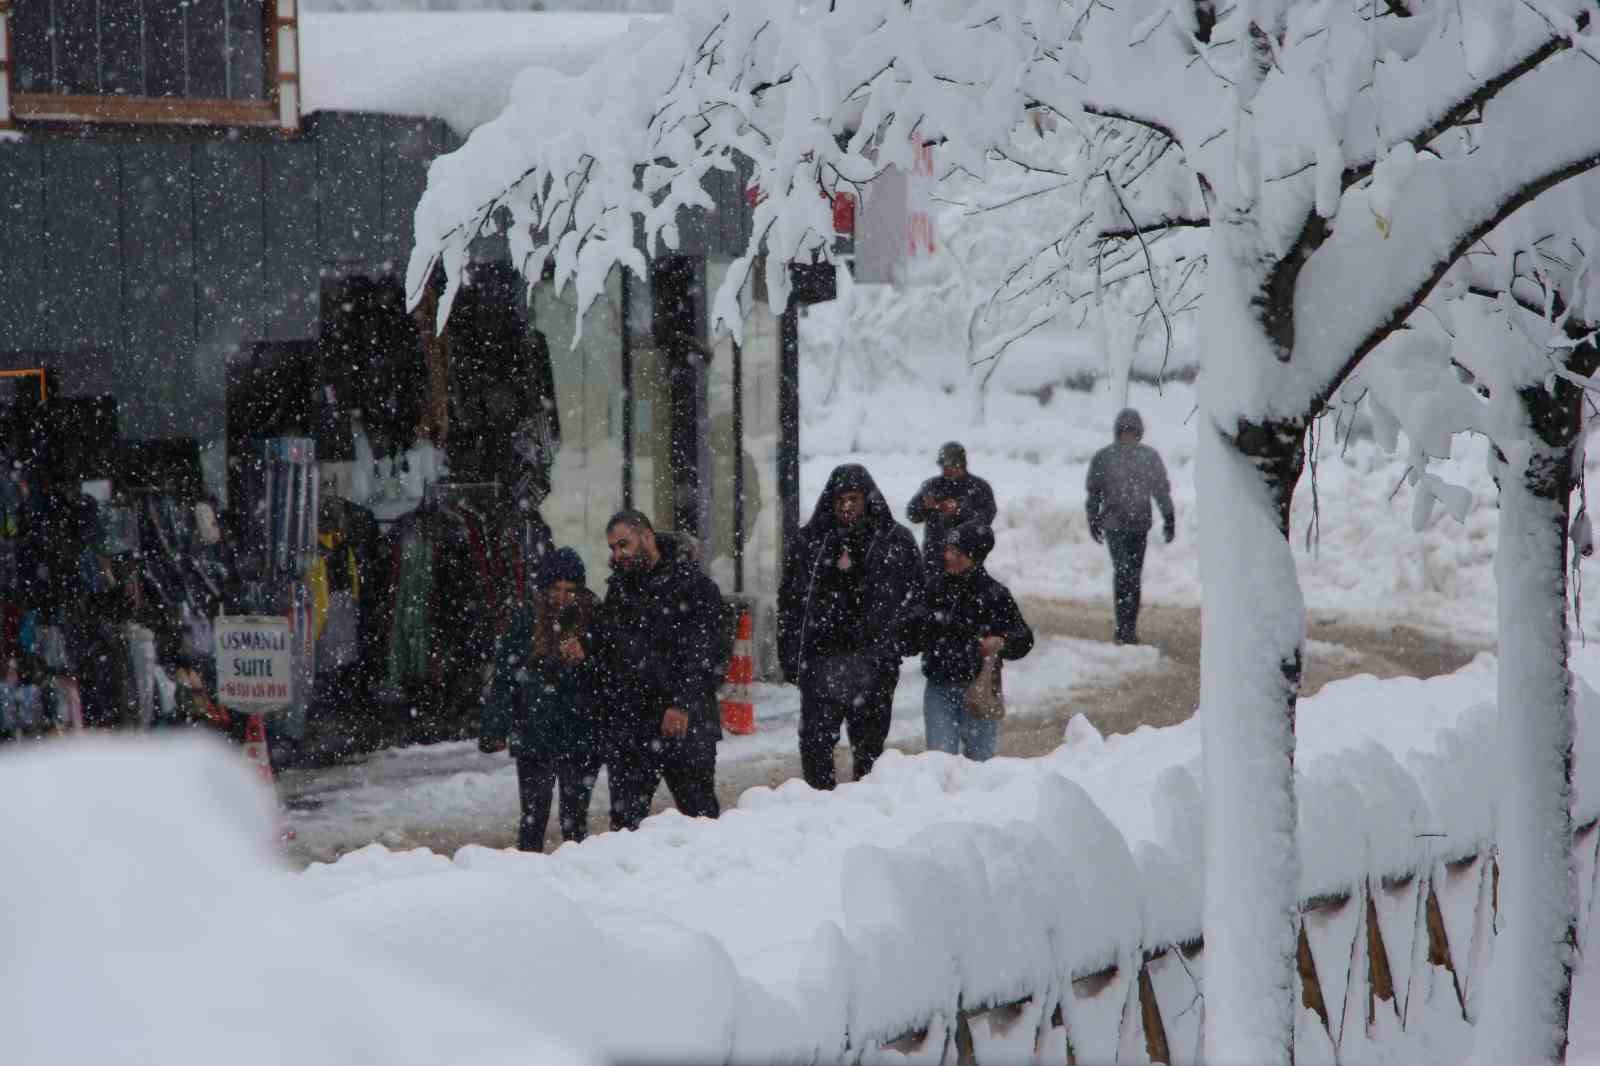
x=1169 y=531
x=1096 y=534
x=491 y=745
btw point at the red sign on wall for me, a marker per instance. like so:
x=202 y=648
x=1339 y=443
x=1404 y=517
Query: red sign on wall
x=844 y=214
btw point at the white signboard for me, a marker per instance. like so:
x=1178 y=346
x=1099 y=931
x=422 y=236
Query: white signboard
x=255 y=663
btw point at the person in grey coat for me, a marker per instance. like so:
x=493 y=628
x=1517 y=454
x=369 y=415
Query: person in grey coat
x=1123 y=478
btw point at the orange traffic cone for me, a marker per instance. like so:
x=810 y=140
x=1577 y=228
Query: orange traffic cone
x=255 y=747
x=738 y=713
x=255 y=752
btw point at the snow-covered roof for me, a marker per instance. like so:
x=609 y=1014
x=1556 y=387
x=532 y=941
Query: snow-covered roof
x=454 y=66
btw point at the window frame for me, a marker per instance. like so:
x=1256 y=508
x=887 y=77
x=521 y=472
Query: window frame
x=280 y=109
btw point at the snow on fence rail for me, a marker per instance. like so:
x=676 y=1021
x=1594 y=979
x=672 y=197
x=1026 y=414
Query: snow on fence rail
x=1404 y=953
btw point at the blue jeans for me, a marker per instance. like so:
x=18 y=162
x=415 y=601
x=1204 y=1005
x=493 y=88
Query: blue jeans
x=952 y=729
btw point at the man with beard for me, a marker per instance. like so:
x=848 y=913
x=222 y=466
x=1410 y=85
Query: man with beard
x=947 y=501
x=661 y=648
x=850 y=579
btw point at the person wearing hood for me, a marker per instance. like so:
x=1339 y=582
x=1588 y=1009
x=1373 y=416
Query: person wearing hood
x=966 y=617
x=850 y=579
x=540 y=699
x=946 y=501
x=1123 y=478
x=660 y=656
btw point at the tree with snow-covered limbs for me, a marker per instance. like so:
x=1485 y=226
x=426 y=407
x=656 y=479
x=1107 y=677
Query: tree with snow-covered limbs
x=1345 y=154
x=1505 y=347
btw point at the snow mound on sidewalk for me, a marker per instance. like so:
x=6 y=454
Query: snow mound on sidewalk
x=795 y=922
x=146 y=919
x=800 y=916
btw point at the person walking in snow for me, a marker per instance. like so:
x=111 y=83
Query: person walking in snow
x=966 y=617
x=946 y=501
x=1123 y=478
x=540 y=698
x=661 y=650
x=850 y=578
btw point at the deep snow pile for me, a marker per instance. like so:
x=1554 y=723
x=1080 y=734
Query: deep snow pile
x=772 y=932
x=146 y=920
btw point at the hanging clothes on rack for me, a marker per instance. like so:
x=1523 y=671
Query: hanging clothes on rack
x=459 y=564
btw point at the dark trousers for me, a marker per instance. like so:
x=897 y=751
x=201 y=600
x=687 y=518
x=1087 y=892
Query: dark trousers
x=1127 y=568
x=866 y=718
x=536 y=774
x=638 y=766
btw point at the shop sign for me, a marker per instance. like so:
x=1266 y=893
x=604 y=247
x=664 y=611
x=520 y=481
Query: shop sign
x=255 y=663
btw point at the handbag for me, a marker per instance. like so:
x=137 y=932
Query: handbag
x=983 y=699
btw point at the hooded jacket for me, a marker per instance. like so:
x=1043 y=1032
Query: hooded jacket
x=822 y=611
x=658 y=643
x=1123 y=479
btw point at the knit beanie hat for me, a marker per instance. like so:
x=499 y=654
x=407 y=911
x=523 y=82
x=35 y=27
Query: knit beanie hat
x=563 y=564
x=975 y=540
x=952 y=453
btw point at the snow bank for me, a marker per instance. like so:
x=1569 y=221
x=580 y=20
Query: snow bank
x=146 y=920
x=936 y=885
x=796 y=925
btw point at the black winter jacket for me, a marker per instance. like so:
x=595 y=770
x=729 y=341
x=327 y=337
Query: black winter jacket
x=974 y=499
x=658 y=643
x=886 y=593
x=956 y=612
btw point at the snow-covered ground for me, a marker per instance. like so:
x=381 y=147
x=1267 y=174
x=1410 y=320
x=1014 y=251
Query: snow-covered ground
x=154 y=915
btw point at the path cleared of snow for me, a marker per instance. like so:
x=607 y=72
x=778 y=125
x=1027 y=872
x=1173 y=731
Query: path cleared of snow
x=443 y=794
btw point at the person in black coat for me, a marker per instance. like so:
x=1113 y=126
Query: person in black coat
x=850 y=579
x=946 y=501
x=540 y=701
x=660 y=655
x=967 y=616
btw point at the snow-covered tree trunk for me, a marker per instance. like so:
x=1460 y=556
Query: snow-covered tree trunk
x=1526 y=1019
x=1252 y=626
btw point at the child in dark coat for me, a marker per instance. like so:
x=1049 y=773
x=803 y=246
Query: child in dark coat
x=539 y=702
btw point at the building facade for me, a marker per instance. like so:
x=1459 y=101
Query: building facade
x=187 y=230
